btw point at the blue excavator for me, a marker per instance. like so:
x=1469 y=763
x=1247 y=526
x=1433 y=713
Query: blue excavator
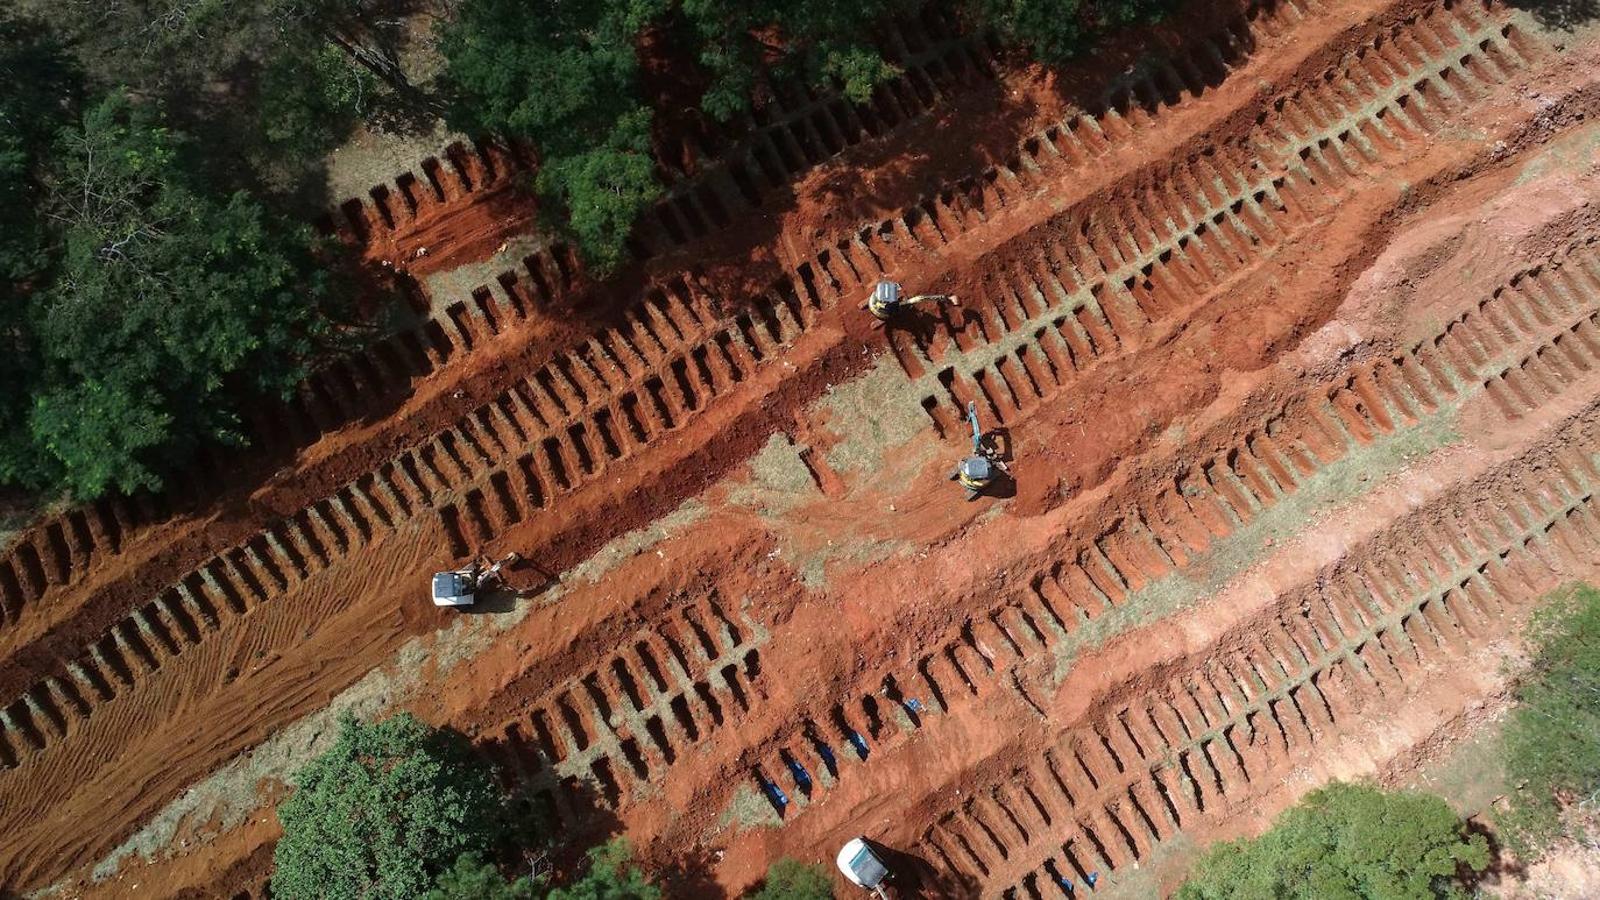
x=976 y=472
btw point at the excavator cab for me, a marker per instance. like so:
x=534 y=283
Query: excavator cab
x=888 y=299
x=458 y=588
x=885 y=299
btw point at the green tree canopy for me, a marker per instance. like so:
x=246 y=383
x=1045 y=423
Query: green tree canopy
x=564 y=76
x=311 y=100
x=603 y=191
x=383 y=813
x=1345 y=841
x=611 y=876
x=821 y=41
x=561 y=74
x=790 y=879
x=164 y=309
x=1054 y=31
x=43 y=90
x=276 y=83
x=1552 y=739
x=474 y=878
x=42 y=94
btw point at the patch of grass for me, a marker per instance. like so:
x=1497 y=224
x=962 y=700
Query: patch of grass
x=749 y=809
x=1350 y=476
x=874 y=414
x=1470 y=776
x=1146 y=879
x=1551 y=744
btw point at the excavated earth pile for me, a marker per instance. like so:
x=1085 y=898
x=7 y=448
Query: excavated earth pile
x=1289 y=333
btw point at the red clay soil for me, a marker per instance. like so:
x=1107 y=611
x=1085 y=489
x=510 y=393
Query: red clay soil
x=1309 y=267
x=96 y=587
x=88 y=605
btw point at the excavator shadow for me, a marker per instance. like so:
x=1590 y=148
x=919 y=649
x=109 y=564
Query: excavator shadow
x=1003 y=487
x=913 y=876
x=520 y=580
x=497 y=600
x=918 y=326
x=996 y=443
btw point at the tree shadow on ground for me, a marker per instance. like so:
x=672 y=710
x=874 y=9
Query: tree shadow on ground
x=1563 y=14
x=1502 y=866
x=955 y=148
x=690 y=875
x=552 y=820
x=556 y=819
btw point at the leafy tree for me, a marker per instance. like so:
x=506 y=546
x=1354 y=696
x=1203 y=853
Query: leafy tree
x=1054 y=31
x=611 y=876
x=152 y=45
x=474 y=878
x=166 y=307
x=1345 y=841
x=381 y=813
x=310 y=102
x=564 y=76
x=818 y=40
x=276 y=83
x=603 y=191
x=1552 y=739
x=157 y=46
x=42 y=94
x=790 y=879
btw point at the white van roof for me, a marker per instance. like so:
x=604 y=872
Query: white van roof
x=859 y=864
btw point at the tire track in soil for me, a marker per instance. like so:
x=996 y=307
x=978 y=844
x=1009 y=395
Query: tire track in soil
x=1522 y=346
x=308 y=541
x=602 y=403
x=60 y=553
x=1536 y=361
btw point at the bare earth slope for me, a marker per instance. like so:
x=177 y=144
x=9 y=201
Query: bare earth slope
x=1291 y=337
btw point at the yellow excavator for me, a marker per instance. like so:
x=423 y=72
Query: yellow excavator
x=887 y=300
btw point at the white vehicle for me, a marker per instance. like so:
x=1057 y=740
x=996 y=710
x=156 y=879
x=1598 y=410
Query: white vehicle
x=862 y=866
x=457 y=588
